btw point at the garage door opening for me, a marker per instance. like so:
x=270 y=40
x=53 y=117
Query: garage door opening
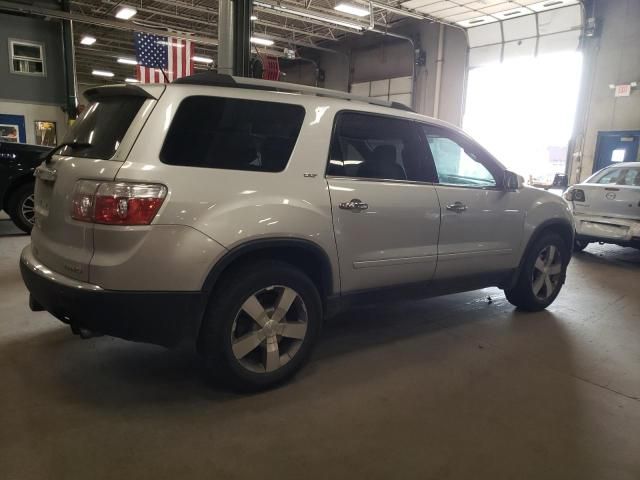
x=523 y=111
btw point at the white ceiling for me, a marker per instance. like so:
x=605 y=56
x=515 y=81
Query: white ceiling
x=471 y=13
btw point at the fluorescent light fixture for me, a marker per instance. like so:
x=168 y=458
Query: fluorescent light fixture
x=125 y=13
x=87 y=40
x=127 y=61
x=132 y=80
x=253 y=18
x=201 y=59
x=305 y=13
x=261 y=41
x=352 y=9
x=102 y=73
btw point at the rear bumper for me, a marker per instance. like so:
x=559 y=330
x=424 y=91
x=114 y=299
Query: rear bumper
x=162 y=318
x=608 y=229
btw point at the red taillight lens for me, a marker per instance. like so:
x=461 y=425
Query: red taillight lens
x=83 y=200
x=120 y=203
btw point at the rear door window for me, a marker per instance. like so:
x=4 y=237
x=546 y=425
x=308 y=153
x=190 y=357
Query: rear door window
x=377 y=147
x=233 y=134
x=630 y=177
x=103 y=125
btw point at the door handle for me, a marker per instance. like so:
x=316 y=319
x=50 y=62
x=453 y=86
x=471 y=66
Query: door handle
x=355 y=205
x=457 y=207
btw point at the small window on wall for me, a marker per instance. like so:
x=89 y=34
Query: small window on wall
x=26 y=57
x=9 y=133
x=46 y=133
x=618 y=155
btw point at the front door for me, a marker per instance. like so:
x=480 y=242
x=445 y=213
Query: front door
x=481 y=228
x=386 y=214
x=616 y=147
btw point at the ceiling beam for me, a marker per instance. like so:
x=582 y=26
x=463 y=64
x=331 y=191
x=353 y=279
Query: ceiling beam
x=126 y=26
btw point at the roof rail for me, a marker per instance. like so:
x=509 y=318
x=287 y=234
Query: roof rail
x=221 y=80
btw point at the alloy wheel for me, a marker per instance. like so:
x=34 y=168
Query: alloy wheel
x=547 y=272
x=27 y=209
x=269 y=329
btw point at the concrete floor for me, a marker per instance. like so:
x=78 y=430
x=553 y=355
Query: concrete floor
x=445 y=388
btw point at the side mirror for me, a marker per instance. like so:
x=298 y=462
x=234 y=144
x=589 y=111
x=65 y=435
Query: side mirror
x=512 y=181
x=560 y=181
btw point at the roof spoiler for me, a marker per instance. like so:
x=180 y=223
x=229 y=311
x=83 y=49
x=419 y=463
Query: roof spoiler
x=94 y=93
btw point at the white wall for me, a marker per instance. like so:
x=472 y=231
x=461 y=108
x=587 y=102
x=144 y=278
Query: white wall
x=374 y=57
x=610 y=57
x=34 y=112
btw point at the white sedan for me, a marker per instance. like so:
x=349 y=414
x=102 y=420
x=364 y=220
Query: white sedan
x=606 y=206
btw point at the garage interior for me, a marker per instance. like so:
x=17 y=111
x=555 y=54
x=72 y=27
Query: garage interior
x=460 y=386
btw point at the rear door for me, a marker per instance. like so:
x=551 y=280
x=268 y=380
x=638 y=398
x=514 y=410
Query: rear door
x=110 y=125
x=385 y=210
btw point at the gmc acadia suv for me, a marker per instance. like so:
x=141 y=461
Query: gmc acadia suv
x=236 y=214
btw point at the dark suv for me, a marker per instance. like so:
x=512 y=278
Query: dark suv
x=17 y=164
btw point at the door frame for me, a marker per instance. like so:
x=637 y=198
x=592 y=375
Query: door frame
x=601 y=134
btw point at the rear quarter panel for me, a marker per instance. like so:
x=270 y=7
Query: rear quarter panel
x=233 y=207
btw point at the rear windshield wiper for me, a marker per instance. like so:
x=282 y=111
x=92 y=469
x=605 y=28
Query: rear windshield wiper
x=52 y=152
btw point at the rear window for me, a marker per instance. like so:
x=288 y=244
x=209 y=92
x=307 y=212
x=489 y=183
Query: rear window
x=103 y=125
x=233 y=134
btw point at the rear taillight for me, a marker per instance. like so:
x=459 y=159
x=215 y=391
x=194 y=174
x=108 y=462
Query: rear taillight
x=120 y=203
x=574 y=194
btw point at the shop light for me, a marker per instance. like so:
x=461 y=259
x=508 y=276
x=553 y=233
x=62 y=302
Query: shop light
x=253 y=18
x=352 y=9
x=201 y=59
x=87 y=40
x=304 y=13
x=132 y=80
x=102 y=73
x=261 y=41
x=125 y=13
x=127 y=61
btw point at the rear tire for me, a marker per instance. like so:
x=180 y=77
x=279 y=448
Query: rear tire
x=541 y=275
x=21 y=207
x=261 y=325
x=579 y=245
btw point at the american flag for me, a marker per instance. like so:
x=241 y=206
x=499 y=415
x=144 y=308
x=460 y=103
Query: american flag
x=156 y=54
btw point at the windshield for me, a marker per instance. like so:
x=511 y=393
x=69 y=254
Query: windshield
x=102 y=125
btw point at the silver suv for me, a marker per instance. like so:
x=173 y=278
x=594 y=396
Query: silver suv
x=236 y=214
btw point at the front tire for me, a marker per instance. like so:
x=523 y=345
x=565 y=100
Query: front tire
x=21 y=207
x=541 y=275
x=261 y=325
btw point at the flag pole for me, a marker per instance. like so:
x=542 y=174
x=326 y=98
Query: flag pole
x=165 y=75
